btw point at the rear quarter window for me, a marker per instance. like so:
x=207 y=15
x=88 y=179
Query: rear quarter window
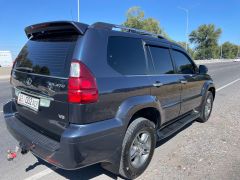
x=126 y=55
x=47 y=56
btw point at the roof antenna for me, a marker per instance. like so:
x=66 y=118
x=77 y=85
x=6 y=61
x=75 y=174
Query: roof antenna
x=71 y=15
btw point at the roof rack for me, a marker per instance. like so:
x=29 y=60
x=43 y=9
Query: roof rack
x=109 y=26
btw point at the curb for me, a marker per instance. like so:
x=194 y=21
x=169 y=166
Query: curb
x=212 y=61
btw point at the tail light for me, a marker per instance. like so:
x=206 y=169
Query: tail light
x=82 y=86
x=13 y=65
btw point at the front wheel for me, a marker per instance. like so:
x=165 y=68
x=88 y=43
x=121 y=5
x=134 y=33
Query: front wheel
x=138 y=147
x=207 y=107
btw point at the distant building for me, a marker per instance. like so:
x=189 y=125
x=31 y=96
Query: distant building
x=6 y=59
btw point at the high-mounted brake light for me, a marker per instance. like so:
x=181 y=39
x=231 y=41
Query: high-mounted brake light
x=82 y=86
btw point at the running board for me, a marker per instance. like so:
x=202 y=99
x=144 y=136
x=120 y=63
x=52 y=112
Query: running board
x=176 y=126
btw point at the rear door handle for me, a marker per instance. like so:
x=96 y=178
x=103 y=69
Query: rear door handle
x=183 y=82
x=157 y=84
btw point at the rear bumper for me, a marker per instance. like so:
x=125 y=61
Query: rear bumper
x=79 y=146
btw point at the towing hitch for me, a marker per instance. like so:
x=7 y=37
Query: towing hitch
x=24 y=149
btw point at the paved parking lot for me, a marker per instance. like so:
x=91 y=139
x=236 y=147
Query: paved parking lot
x=199 y=151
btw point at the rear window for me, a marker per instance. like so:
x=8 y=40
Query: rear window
x=126 y=55
x=47 y=56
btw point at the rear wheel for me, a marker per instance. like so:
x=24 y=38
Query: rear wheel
x=138 y=147
x=207 y=107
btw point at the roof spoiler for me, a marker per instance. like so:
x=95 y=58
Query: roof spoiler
x=68 y=26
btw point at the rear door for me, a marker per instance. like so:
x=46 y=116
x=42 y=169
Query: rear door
x=191 y=81
x=165 y=84
x=40 y=79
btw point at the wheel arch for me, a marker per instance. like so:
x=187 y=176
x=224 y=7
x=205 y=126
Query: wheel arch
x=141 y=106
x=208 y=86
x=150 y=113
x=213 y=90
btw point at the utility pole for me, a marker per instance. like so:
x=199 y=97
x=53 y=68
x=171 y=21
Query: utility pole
x=238 y=54
x=78 y=10
x=187 y=23
x=221 y=52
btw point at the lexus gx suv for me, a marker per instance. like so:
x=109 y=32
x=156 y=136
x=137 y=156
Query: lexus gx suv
x=102 y=93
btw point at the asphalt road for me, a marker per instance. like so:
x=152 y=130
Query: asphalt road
x=200 y=151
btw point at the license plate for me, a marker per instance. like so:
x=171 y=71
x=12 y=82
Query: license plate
x=28 y=101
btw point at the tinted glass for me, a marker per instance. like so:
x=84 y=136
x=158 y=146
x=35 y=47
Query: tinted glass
x=151 y=69
x=126 y=55
x=183 y=63
x=162 y=60
x=46 y=56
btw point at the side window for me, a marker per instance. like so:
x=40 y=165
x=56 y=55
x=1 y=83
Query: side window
x=151 y=69
x=162 y=60
x=126 y=55
x=183 y=63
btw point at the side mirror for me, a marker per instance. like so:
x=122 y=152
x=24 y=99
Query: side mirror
x=203 y=69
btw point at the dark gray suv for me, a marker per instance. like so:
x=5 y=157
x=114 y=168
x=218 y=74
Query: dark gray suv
x=102 y=93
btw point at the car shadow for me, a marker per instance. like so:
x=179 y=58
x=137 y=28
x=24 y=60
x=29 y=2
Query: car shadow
x=85 y=173
x=94 y=170
x=80 y=174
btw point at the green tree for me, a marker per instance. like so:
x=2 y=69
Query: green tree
x=229 y=50
x=206 y=39
x=136 y=19
x=190 y=51
x=238 y=52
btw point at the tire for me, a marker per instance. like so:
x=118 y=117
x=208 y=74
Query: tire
x=207 y=102
x=139 y=149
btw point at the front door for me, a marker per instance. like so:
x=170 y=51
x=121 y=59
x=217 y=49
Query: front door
x=191 y=81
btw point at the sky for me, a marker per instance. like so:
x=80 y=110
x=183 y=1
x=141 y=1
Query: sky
x=15 y=15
